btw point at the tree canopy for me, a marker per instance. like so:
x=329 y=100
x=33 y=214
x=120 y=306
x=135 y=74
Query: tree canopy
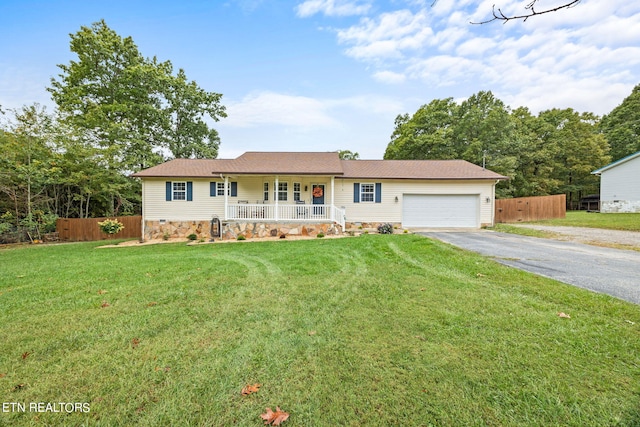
x=551 y=153
x=133 y=108
x=621 y=126
x=117 y=112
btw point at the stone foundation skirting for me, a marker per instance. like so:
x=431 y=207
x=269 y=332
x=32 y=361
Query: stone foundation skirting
x=622 y=206
x=232 y=229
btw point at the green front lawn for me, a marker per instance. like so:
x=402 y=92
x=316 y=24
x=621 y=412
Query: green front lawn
x=613 y=221
x=366 y=331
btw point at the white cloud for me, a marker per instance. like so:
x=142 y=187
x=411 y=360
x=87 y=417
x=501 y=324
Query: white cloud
x=332 y=8
x=389 y=77
x=266 y=108
x=388 y=36
x=586 y=57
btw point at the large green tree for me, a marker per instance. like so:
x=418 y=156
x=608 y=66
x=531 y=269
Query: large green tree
x=428 y=134
x=551 y=153
x=622 y=126
x=133 y=108
x=580 y=149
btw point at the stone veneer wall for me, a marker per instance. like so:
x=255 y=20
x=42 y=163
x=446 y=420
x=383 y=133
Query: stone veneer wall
x=622 y=206
x=231 y=230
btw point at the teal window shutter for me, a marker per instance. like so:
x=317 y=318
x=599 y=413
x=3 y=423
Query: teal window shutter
x=234 y=189
x=378 y=192
x=168 y=187
x=189 y=191
x=213 y=189
x=356 y=192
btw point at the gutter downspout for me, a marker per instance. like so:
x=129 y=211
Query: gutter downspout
x=493 y=203
x=142 y=218
x=226 y=197
x=332 y=199
x=275 y=196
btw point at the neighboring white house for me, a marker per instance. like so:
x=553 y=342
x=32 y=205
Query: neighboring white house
x=620 y=185
x=274 y=193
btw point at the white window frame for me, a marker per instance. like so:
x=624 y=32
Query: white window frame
x=265 y=191
x=297 y=191
x=220 y=188
x=369 y=194
x=177 y=191
x=282 y=192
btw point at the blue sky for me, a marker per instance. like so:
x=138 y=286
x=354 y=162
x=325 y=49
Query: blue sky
x=324 y=75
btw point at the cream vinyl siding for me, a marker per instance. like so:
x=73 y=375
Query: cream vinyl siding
x=202 y=207
x=390 y=210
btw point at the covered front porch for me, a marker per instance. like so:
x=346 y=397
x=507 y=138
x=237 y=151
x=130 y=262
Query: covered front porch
x=275 y=199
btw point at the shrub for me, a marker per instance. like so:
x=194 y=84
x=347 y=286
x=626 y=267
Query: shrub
x=192 y=236
x=385 y=228
x=241 y=237
x=320 y=235
x=111 y=226
x=166 y=236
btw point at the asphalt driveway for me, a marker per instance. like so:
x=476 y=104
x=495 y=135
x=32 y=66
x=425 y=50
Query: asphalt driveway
x=614 y=272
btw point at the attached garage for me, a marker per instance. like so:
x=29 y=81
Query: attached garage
x=441 y=210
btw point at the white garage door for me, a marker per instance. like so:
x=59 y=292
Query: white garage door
x=440 y=210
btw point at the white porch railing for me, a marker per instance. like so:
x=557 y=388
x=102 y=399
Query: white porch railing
x=288 y=213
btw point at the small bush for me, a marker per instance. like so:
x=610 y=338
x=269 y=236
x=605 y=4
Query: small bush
x=385 y=228
x=166 y=236
x=320 y=235
x=241 y=237
x=192 y=236
x=111 y=226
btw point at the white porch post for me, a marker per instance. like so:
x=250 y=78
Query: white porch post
x=226 y=198
x=275 y=196
x=332 y=200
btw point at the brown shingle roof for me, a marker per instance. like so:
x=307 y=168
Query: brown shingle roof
x=287 y=163
x=325 y=163
x=252 y=162
x=416 y=169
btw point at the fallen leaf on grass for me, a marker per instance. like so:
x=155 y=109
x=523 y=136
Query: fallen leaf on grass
x=274 y=418
x=248 y=389
x=630 y=322
x=423 y=289
x=18 y=387
x=105 y=304
x=166 y=368
x=102 y=292
x=3 y=375
x=25 y=355
x=312 y=333
x=151 y=304
x=135 y=342
x=563 y=315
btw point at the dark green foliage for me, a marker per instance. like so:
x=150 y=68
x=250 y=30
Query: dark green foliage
x=385 y=228
x=621 y=127
x=552 y=153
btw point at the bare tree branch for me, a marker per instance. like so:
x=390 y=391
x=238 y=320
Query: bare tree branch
x=498 y=15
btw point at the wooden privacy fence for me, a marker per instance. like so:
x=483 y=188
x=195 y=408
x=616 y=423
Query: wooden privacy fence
x=87 y=229
x=531 y=208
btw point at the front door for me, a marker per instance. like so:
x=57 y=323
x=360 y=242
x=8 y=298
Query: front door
x=317 y=192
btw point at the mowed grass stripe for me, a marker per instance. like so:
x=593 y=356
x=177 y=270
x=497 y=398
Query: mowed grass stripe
x=373 y=330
